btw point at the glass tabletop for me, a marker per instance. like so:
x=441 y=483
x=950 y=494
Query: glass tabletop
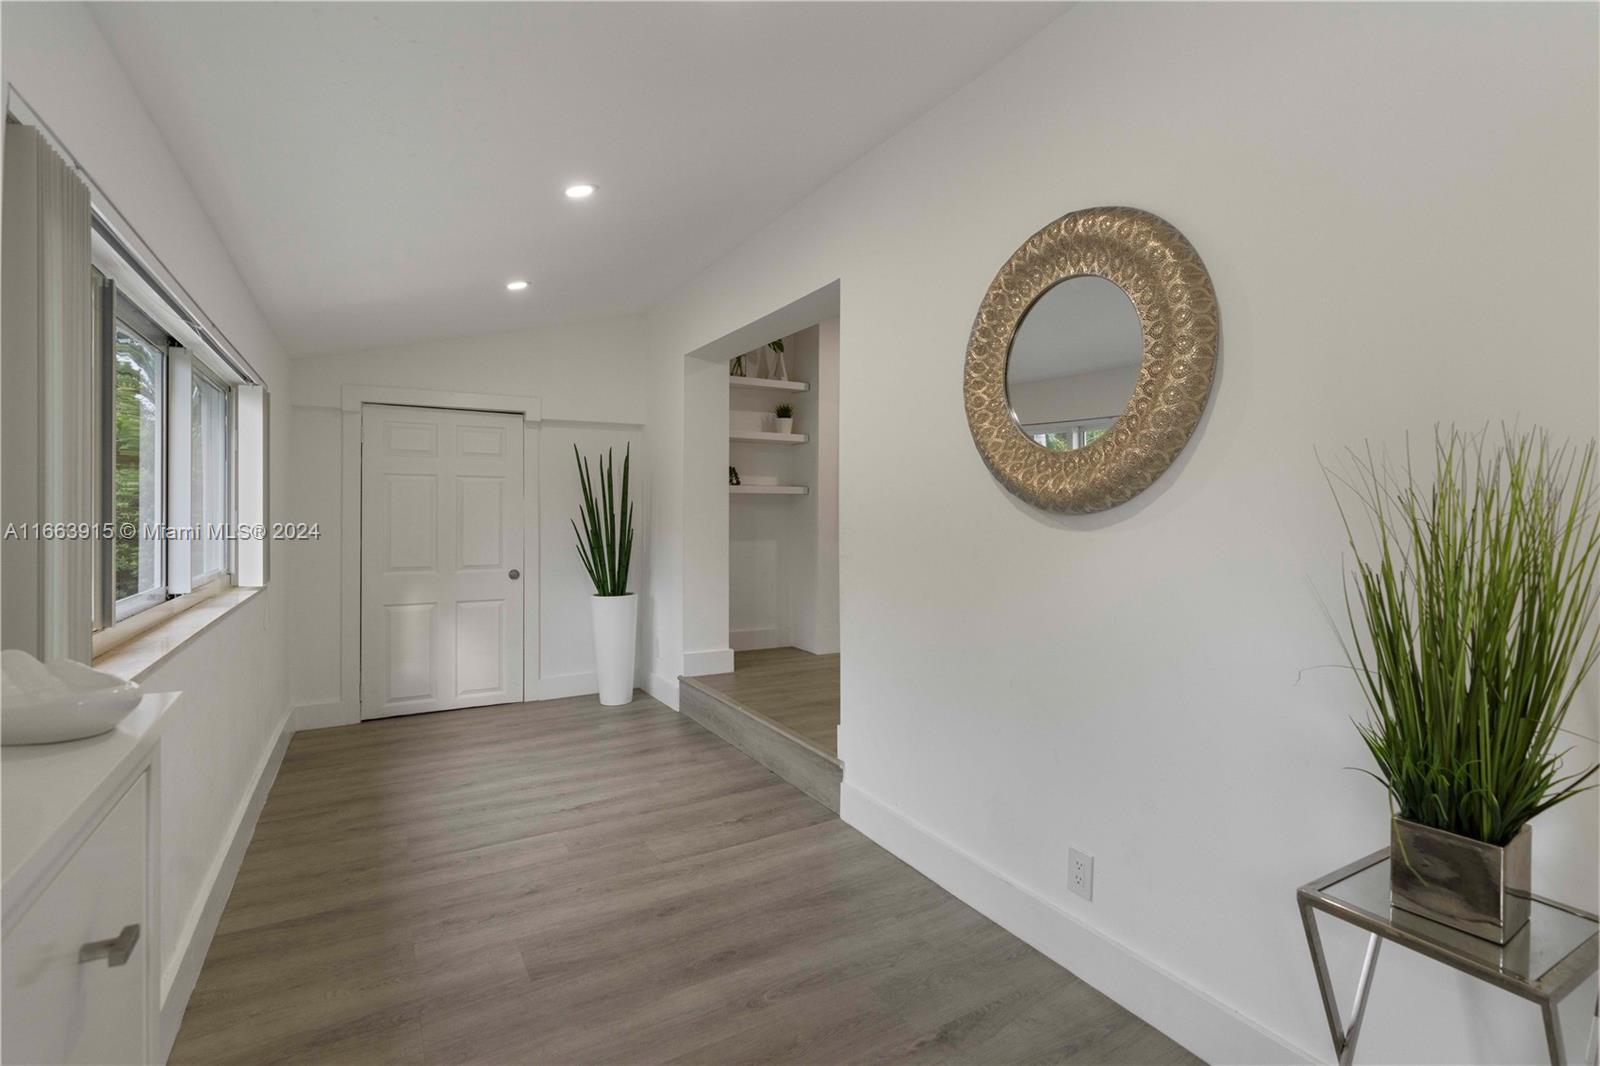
x=1553 y=933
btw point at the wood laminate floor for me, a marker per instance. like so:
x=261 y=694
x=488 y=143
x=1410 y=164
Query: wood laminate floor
x=566 y=883
x=794 y=688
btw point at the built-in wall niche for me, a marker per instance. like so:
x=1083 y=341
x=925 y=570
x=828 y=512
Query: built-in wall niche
x=756 y=440
x=782 y=516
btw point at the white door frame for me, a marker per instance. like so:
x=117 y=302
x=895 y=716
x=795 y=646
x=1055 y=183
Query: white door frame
x=352 y=397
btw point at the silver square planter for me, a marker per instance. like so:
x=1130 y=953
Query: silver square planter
x=1478 y=888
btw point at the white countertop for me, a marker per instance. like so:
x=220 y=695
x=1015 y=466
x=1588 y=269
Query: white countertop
x=47 y=791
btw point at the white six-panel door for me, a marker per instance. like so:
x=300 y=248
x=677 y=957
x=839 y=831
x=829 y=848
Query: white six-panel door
x=441 y=559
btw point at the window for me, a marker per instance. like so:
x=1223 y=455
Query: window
x=138 y=462
x=208 y=477
x=166 y=464
x=1066 y=436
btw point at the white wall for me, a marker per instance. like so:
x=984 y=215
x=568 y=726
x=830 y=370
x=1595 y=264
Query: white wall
x=706 y=506
x=811 y=568
x=590 y=381
x=581 y=371
x=1396 y=204
x=315 y=446
x=756 y=608
x=235 y=675
x=819 y=628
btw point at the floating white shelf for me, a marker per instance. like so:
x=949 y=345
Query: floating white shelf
x=752 y=436
x=767 y=490
x=734 y=381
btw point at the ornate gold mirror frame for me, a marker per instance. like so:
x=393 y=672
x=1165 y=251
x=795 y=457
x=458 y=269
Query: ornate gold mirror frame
x=1163 y=275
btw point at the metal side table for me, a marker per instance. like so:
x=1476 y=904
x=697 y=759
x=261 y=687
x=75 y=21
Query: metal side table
x=1555 y=955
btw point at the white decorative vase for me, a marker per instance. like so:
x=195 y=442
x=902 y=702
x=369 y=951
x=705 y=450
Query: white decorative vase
x=785 y=425
x=615 y=622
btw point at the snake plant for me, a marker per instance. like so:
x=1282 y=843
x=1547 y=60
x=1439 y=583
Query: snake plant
x=605 y=543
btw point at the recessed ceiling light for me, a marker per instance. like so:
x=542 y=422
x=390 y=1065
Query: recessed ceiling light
x=516 y=286
x=579 y=192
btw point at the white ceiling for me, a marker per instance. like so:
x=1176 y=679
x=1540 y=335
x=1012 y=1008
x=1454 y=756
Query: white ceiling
x=1083 y=325
x=380 y=170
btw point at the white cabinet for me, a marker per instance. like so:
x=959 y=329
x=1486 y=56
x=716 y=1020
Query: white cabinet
x=79 y=847
x=66 y=1004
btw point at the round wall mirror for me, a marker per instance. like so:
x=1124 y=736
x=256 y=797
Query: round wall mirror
x=1074 y=363
x=1090 y=359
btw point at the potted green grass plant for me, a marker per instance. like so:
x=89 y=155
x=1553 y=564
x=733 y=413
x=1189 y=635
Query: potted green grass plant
x=1472 y=626
x=605 y=545
x=783 y=418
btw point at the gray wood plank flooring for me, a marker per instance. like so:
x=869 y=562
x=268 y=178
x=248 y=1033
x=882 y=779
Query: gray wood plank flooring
x=566 y=883
x=793 y=758
x=794 y=688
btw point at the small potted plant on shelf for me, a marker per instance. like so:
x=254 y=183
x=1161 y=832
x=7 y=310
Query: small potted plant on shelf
x=605 y=545
x=1472 y=629
x=783 y=418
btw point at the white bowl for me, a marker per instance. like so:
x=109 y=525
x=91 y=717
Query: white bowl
x=44 y=703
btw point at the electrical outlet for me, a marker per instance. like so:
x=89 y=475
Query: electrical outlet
x=1080 y=873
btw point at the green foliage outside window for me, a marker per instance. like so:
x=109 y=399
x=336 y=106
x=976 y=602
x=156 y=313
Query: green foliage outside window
x=136 y=414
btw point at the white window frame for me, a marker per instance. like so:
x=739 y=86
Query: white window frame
x=117 y=622
x=1075 y=430
x=197 y=508
x=129 y=606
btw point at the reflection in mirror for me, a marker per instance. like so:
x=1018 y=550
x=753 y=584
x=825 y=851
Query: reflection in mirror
x=1074 y=362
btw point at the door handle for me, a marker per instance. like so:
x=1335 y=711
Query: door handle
x=115 y=951
x=515 y=574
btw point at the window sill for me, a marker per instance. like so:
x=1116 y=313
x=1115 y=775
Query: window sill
x=136 y=658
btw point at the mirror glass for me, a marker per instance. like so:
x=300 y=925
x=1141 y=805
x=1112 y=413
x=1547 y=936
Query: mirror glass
x=1074 y=362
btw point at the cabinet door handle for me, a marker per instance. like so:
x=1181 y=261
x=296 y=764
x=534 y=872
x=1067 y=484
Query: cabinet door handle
x=114 y=951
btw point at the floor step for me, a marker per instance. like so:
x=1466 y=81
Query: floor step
x=790 y=756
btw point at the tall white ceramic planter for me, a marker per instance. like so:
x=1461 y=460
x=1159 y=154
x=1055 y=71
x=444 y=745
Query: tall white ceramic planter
x=615 y=622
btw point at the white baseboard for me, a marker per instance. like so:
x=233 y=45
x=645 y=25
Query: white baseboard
x=754 y=639
x=715 y=661
x=329 y=713
x=664 y=689
x=324 y=715
x=194 y=940
x=1203 y=1024
x=561 y=686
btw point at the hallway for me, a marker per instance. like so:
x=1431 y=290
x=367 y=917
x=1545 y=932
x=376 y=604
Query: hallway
x=559 y=882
